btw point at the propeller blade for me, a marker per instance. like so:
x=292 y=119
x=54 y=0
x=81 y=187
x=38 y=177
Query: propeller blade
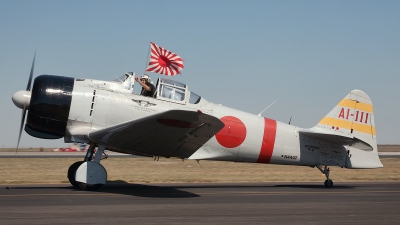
x=20 y=128
x=28 y=87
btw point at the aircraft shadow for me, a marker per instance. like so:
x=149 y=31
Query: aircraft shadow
x=263 y=185
x=123 y=188
x=144 y=190
x=314 y=186
x=175 y=190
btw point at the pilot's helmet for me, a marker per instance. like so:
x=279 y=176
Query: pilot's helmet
x=146 y=77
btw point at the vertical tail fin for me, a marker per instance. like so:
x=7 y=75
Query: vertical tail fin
x=353 y=116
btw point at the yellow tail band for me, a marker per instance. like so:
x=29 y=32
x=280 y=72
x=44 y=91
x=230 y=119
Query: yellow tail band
x=364 y=128
x=360 y=105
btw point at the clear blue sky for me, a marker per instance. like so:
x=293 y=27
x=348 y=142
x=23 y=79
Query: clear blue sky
x=243 y=54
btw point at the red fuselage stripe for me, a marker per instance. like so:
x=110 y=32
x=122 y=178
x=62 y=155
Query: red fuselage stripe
x=268 y=141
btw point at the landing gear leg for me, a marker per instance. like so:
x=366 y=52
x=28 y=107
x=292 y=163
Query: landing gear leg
x=89 y=153
x=328 y=183
x=89 y=174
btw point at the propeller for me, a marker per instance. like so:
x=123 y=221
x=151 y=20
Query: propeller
x=22 y=99
x=28 y=87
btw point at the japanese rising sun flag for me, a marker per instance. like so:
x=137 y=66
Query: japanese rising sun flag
x=164 y=61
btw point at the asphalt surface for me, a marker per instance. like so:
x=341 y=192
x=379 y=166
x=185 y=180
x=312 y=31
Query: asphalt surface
x=244 y=203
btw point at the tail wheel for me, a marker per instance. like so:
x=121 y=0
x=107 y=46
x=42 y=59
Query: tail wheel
x=328 y=183
x=71 y=174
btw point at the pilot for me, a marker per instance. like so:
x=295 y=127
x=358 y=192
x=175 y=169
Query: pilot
x=148 y=88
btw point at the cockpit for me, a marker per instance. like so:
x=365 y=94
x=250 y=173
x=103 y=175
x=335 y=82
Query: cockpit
x=166 y=89
x=174 y=91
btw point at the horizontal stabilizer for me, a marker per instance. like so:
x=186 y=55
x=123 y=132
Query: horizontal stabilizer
x=336 y=138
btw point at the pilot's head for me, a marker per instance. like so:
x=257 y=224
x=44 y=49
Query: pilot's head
x=145 y=78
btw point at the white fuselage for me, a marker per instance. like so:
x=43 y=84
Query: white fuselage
x=245 y=137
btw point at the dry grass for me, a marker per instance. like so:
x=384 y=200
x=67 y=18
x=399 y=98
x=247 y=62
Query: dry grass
x=145 y=170
x=389 y=148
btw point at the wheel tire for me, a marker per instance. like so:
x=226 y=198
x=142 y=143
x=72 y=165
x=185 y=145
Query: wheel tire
x=328 y=183
x=71 y=174
x=87 y=187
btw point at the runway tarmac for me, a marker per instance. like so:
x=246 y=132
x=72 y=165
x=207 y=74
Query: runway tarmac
x=236 y=203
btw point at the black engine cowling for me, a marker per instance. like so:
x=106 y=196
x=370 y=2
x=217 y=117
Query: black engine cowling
x=49 y=106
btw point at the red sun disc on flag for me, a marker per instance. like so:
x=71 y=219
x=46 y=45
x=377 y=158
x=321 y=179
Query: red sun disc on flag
x=164 y=61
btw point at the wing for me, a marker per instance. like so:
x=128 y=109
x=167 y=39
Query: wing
x=174 y=133
x=337 y=139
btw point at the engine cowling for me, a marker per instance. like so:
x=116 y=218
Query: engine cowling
x=49 y=106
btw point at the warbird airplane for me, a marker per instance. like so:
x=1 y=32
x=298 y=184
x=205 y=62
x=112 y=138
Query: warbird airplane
x=179 y=123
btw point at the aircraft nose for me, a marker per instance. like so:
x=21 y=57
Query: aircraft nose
x=22 y=99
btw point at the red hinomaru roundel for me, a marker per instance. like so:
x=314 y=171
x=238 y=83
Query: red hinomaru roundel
x=233 y=134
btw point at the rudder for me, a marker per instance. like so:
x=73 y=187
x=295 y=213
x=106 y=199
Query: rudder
x=353 y=116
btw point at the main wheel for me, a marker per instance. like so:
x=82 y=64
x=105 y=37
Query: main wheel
x=91 y=176
x=71 y=174
x=328 y=183
x=87 y=187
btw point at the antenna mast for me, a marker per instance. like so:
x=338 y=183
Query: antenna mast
x=266 y=108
